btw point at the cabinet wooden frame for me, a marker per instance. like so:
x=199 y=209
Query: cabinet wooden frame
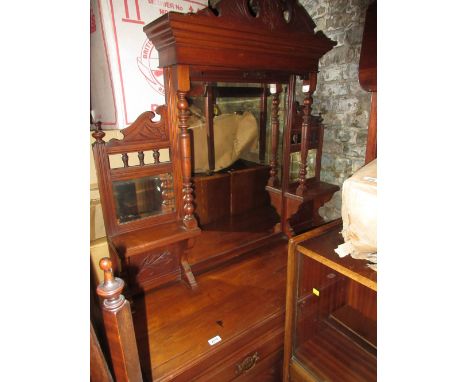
x=144 y=237
x=351 y=269
x=272 y=42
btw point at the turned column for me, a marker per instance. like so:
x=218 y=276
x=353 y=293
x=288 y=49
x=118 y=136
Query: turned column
x=183 y=87
x=275 y=90
x=308 y=88
x=118 y=325
x=263 y=122
x=184 y=114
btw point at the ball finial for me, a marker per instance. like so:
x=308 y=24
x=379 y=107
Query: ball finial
x=105 y=264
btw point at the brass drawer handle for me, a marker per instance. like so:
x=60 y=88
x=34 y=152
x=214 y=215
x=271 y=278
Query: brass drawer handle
x=247 y=364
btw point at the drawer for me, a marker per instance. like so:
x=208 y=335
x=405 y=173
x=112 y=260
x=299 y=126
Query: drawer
x=267 y=370
x=260 y=360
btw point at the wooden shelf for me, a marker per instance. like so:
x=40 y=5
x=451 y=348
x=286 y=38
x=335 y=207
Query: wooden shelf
x=354 y=324
x=331 y=314
x=334 y=356
x=322 y=249
x=144 y=240
x=232 y=236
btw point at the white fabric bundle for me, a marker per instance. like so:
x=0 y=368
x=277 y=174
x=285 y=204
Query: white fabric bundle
x=359 y=213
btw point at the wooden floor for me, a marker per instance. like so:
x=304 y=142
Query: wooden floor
x=173 y=324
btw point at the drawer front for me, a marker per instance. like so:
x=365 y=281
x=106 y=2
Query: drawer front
x=153 y=268
x=259 y=359
x=267 y=370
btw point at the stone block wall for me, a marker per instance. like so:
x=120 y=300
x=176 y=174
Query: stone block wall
x=339 y=98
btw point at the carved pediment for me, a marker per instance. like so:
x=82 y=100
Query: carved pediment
x=241 y=34
x=276 y=15
x=144 y=129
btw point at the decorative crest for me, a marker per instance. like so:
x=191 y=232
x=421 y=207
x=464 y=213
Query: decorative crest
x=273 y=35
x=145 y=129
x=276 y=15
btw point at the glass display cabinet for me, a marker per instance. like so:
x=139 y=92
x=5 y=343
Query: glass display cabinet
x=331 y=312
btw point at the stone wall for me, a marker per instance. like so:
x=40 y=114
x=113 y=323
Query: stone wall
x=339 y=98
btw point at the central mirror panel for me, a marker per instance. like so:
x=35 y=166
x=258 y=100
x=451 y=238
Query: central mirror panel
x=231 y=135
x=230 y=125
x=143 y=197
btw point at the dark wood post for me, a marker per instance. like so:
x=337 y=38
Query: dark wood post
x=118 y=325
x=371 y=151
x=273 y=181
x=210 y=100
x=183 y=86
x=263 y=122
x=308 y=89
x=318 y=157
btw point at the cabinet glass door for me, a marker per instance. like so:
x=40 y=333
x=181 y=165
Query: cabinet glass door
x=335 y=328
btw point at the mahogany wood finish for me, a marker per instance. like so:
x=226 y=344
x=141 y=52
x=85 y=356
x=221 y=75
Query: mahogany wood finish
x=371 y=150
x=368 y=76
x=368 y=59
x=119 y=326
x=99 y=371
x=243 y=303
x=273 y=181
x=233 y=236
x=184 y=114
x=266 y=41
x=139 y=244
x=298 y=202
x=210 y=100
x=306 y=127
x=336 y=334
x=263 y=127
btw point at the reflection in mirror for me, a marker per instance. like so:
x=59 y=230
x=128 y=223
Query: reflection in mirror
x=143 y=197
x=232 y=123
x=296 y=165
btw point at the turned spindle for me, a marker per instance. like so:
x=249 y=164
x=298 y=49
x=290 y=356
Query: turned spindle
x=125 y=159
x=183 y=116
x=273 y=181
x=308 y=88
x=141 y=158
x=156 y=156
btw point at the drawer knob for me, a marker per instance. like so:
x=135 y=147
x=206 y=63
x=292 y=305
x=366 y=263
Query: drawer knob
x=247 y=364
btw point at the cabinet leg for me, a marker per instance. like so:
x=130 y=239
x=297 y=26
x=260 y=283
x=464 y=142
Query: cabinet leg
x=187 y=274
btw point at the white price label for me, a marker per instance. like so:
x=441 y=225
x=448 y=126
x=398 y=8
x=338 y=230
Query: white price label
x=214 y=340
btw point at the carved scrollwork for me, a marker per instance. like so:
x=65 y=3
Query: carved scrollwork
x=153 y=263
x=145 y=129
x=275 y=15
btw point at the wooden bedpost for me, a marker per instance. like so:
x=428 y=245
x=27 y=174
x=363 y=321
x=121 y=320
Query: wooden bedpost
x=118 y=325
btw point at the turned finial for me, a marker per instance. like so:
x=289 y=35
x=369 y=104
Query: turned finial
x=111 y=288
x=106 y=265
x=98 y=134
